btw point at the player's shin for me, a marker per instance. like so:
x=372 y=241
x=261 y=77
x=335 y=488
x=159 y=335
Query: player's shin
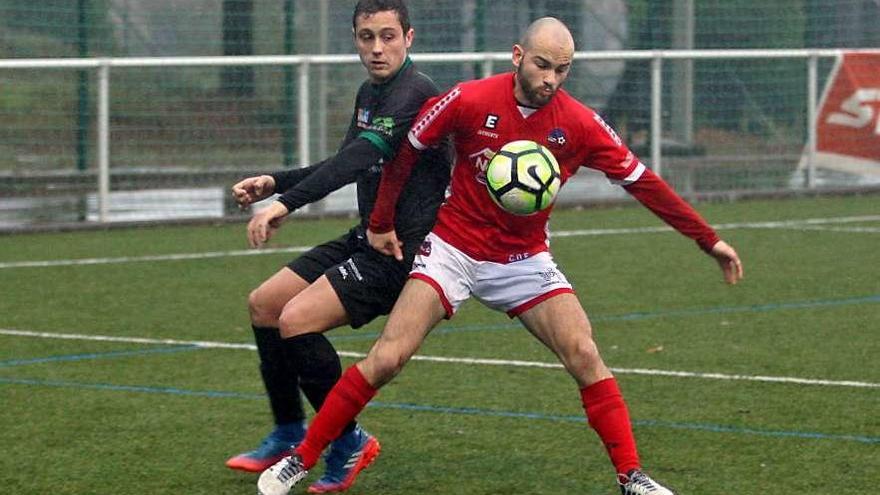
x=346 y=400
x=608 y=415
x=280 y=380
x=317 y=365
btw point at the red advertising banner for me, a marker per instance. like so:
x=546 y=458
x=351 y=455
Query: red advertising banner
x=849 y=118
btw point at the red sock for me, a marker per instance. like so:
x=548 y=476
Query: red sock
x=608 y=415
x=345 y=401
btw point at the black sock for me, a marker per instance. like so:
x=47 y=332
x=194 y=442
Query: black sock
x=281 y=381
x=317 y=366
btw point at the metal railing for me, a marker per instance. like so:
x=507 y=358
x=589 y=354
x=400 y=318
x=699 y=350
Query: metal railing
x=488 y=60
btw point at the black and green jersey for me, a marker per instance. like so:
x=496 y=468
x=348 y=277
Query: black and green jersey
x=382 y=117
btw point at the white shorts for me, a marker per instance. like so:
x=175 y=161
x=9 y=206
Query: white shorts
x=510 y=287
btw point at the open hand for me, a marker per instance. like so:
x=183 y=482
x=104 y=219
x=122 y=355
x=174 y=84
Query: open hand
x=264 y=224
x=729 y=262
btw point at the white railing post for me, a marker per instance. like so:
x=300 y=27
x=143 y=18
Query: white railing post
x=303 y=114
x=104 y=142
x=812 y=123
x=656 y=113
x=488 y=67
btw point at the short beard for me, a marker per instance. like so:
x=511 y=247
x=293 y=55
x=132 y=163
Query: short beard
x=535 y=99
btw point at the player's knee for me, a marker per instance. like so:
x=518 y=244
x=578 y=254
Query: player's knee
x=587 y=350
x=262 y=312
x=384 y=364
x=293 y=322
x=583 y=358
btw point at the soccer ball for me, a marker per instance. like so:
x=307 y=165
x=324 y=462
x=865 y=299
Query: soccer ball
x=523 y=177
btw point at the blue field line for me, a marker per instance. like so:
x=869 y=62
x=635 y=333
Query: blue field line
x=644 y=315
x=635 y=422
x=96 y=355
x=130 y=388
x=469 y=411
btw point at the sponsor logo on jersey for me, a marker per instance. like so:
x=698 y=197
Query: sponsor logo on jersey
x=557 y=137
x=484 y=132
x=380 y=125
x=425 y=249
x=491 y=121
x=481 y=161
x=608 y=129
x=385 y=125
x=363 y=117
x=518 y=257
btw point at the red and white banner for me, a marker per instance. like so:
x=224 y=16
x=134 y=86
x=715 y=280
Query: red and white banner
x=848 y=122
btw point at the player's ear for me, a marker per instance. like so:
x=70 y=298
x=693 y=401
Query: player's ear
x=518 y=53
x=409 y=37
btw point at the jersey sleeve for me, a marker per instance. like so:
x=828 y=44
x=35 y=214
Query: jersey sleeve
x=394 y=177
x=341 y=169
x=610 y=155
x=606 y=151
x=435 y=120
x=656 y=195
x=285 y=179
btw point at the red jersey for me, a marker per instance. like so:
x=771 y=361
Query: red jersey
x=482 y=116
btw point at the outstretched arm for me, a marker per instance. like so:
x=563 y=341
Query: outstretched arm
x=341 y=169
x=657 y=196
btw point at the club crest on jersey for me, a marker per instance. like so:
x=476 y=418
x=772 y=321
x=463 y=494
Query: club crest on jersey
x=550 y=276
x=557 y=137
x=481 y=161
x=425 y=248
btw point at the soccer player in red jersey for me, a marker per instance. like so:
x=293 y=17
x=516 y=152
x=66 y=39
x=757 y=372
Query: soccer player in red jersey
x=476 y=248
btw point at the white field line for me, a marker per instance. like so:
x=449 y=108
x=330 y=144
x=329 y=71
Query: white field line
x=805 y=224
x=456 y=360
x=850 y=230
x=158 y=257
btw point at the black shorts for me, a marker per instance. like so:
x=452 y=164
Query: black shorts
x=366 y=281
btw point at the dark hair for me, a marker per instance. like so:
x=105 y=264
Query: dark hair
x=370 y=7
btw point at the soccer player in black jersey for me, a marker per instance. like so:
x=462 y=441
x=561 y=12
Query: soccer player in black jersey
x=343 y=281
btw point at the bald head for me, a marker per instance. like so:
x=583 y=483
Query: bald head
x=548 y=33
x=542 y=59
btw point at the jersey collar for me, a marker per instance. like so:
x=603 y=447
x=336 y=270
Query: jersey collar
x=516 y=104
x=406 y=63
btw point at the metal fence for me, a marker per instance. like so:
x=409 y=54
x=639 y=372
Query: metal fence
x=698 y=152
